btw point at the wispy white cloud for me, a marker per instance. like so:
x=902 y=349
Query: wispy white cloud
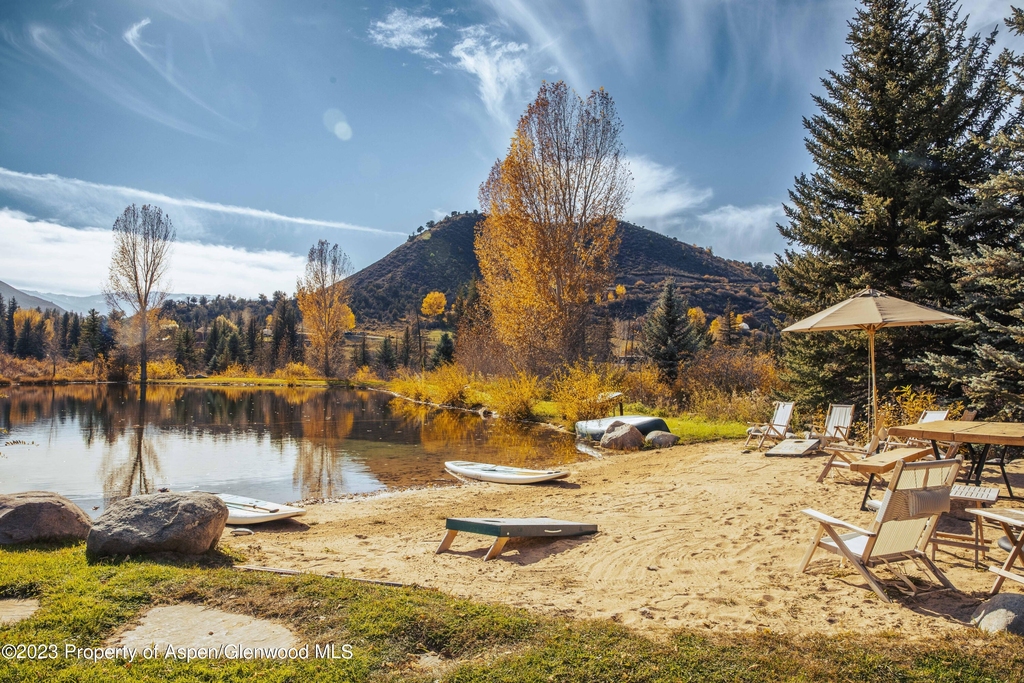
x=403 y=31
x=660 y=196
x=666 y=202
x=133 y=36
x=35 y=247
x=546 y=24
x=86 y=59
x=744 y=233
x=498 y=66
x=90 y=204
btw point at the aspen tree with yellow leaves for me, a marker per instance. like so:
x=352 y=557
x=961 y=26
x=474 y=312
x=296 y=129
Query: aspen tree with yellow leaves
x=323 y=297
x=547 y=247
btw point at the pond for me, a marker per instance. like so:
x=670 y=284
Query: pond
x=98 y=443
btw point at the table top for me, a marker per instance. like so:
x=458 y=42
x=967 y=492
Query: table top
x=1006 y=515
x=994 y=433
x=883 y=462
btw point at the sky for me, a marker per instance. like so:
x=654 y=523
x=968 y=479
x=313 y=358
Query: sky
x=261 y=127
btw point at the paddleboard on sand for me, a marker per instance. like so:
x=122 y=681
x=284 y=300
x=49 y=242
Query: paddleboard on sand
x=246 y=511
x=595 y=429
x=500 y=473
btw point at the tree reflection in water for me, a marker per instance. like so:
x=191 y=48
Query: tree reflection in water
x=318 y=465
x=132 y=476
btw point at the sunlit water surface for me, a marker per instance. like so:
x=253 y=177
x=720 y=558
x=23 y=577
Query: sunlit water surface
x=98 y=443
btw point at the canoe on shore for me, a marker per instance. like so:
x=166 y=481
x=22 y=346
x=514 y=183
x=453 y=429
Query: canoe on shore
x=245 y=511
x=501 y=474
x=595 y=429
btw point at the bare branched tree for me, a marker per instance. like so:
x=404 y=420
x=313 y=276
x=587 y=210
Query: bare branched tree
x=322 y=299
x=548 y=244
x=142 y=254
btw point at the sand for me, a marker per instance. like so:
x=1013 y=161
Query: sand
x=701 y=536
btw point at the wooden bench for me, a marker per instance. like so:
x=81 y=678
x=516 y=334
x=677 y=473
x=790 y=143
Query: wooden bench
x=506 y=528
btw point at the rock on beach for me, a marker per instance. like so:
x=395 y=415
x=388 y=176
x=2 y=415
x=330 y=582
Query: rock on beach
x=34 y=516
x=185 y=523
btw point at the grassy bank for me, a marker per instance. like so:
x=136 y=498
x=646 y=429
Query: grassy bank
x=390 y=628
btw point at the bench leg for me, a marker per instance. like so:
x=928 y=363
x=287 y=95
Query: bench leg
x=446 y=542
x=495 y=549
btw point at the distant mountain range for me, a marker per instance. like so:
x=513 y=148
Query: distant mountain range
x=26 y=299
x=442 y=259
x=30 y=298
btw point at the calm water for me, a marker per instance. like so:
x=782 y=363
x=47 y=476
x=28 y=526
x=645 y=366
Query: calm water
x=97 y=443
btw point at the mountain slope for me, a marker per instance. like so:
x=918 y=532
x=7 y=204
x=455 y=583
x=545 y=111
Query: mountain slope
x=442 y=259
x=25 y=300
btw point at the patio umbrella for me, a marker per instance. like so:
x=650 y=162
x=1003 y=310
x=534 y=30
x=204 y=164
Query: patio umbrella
x=871 y=310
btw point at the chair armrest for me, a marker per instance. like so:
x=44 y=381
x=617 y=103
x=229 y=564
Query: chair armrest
x=832 y=521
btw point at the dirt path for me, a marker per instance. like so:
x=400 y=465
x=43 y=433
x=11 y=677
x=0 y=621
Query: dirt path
x=699 y=536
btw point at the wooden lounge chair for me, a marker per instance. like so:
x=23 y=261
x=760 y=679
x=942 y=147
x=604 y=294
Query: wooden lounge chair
x=776 y=430
x=842 y=453
x=917 y=494
x=926 y=416
x=838 y=423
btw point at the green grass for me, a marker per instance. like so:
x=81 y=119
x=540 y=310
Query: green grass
x=83 y=604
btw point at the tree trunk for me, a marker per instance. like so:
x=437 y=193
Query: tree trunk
x=142 y=348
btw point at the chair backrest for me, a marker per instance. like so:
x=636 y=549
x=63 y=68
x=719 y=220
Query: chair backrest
x=969 y=415
x=933 y=416
x=954 y=446
x=838 y=421
x=783 y=414
x=917 y=494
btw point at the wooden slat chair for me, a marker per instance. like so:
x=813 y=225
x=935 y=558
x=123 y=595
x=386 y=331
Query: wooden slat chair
x=838 y=423
x=842 y=453
x=926 y=416
x=917 y=494
x=776 y=430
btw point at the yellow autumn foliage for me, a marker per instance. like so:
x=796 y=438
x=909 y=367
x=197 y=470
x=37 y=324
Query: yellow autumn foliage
x=433 y=304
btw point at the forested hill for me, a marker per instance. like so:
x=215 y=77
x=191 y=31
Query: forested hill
x=442 y=259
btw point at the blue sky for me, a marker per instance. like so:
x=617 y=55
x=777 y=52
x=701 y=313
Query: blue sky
x=262 y=126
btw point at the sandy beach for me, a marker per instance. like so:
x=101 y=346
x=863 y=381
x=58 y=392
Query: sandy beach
x=701 y=536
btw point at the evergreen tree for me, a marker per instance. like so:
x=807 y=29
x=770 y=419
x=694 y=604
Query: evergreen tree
x=387 y=359
x=253 y=335
x=91 y=343
x=211 y=345
x=11 y=333
x=444 y=352
x=898 y=139
x=3 y=325
x=185 y=349
x=988 y=361
x=668 y=335
x=405 y=350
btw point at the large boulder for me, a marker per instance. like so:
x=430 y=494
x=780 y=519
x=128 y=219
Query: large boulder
x=1003 y=612
x=185 y=523
x=660 y=439
x=622 y=437
x=40 y=516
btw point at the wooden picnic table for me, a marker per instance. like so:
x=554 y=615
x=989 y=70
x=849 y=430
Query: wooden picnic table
x=884 y=462
x=1009 y=519
x=985 y=434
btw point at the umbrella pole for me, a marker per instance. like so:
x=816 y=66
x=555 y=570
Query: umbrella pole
x=874 y=387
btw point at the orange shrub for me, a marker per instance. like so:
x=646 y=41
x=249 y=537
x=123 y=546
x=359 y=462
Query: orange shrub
x=515 y=397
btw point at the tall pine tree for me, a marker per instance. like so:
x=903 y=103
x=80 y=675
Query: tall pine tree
x=898 y=140
x=669 y=336
x=988 y=361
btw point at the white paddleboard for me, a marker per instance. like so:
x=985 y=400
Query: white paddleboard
x=245 y=511
x=501 y=474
